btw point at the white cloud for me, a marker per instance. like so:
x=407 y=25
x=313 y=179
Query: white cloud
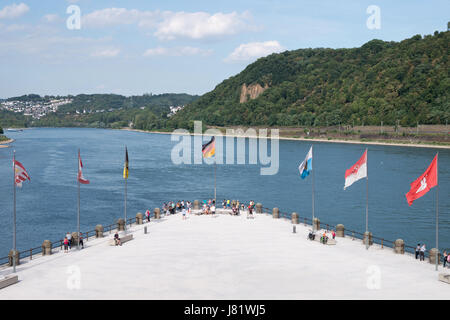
x=170 y=25
x=254 y=50
x=199 y=25
x=51 y=18
x=14 y=11
x=106 y=53
x=119 y=16
x=177 y=51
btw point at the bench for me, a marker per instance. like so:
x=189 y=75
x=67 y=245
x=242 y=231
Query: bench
x=330 y=240
x=123 y=239
x=444 y=277
x=8 y=280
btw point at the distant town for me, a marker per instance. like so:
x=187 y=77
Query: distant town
x=35 y=109
x=38 y=110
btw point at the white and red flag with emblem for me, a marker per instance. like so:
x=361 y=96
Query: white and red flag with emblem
x=81 y=179
x=424 y=183
x=357 y=171
x=20 y=174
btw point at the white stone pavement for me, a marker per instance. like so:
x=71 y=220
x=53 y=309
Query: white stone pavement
x=225 y=257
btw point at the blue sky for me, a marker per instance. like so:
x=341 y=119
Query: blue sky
x=136 y=46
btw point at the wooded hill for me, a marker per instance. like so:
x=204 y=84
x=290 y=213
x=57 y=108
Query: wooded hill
x=384 y=81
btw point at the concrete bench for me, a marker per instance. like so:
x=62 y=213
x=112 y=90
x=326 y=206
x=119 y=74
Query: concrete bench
x=8 y=280
x=123 y=239
x=330 y=240
x=444 y=277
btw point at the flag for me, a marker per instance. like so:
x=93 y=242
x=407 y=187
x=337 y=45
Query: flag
x=357 y=171
x=424 y=183
x=20 y=174
x=80 y=178
x=209 y=149
x=306 y=166
x=125 y=167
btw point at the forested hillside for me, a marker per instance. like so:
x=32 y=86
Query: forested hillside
x=406 y=81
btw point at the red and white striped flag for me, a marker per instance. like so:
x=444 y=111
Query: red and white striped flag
x=357 y=171
x=20 y=174
x=81 y=179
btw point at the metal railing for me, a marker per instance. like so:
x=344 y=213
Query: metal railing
x=29 y=253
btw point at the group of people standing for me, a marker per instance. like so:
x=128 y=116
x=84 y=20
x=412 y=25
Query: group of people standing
x=68 y=242
x=174 y=207
x=420 y=254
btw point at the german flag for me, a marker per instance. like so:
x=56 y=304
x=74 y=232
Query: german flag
x=125 y=167
x=209 y=149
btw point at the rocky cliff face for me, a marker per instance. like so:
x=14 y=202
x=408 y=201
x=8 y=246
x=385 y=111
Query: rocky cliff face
x=252 y=91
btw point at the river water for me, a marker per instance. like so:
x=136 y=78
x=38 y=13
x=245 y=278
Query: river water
x=47 y=205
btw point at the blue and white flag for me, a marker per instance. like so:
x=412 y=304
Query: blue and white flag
x=306 y=166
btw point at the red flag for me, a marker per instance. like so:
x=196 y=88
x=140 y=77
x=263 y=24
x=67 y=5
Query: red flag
x=424 y=183
x=20 y=173
x=81 y=179
x=357 y=171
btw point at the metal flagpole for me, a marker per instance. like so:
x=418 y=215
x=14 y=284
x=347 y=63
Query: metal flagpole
x=312 y=188
x=215 y=165
x=367 y=201
x=78 y=216
x=126 y=179
x=14 y=210
x=437 y=212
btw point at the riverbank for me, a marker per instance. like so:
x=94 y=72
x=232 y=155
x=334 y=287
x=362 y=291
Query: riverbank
x=225 y=257
x=331 y=140
x=5 y=143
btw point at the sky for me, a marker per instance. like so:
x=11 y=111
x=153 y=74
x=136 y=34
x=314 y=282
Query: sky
x=60 y=47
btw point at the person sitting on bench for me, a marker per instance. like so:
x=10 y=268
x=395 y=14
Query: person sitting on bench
x=117 y=239
x=324 y=238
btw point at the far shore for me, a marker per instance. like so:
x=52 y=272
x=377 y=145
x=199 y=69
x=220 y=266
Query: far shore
x=319 y=140
x=5 y=144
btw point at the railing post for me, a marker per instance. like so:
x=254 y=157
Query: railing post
x=61 y=243
x=305 y=221
x=382 y=243
x=353 y=235
x=87 y=236
x=31 y=254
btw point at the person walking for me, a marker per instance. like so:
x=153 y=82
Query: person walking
x=417 y=250
x=422 y=252
x=183 y=212
x=69 y=238
x=445 y=255
x=81 y=240
x=147 y=215
x=66 y=244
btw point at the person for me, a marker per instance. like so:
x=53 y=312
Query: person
x=117 y=239
x=183 y=212
x=333 y=234
x=448 y=258
x=224 y=203
x=250 y=212
x=69 y=238
x=147 y=215
x=66 y=244
x=417 y=250
x=228 y=204
x=81 y=240
x=213 y=209
x=422 y=252
x=445 y=255
x=324 y=238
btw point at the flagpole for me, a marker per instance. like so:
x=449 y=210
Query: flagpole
x=126 y=179
x=215 y=168
x=437 y=212
x=367 y=200
x=78 y=215
x=312 y=188
x=14 y=210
